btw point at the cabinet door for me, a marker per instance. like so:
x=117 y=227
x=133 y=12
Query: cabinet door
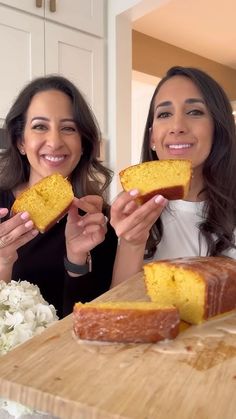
x=80 y=58
x=22 y=53
x=26 y=5
x=86 y=15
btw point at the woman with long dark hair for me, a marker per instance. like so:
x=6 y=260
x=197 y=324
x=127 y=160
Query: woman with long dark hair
x=190 y=117
x=50 y=128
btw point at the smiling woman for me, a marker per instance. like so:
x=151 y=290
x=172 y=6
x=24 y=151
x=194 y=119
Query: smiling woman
x=190 y=117
x=182 y=126
x=51 y=129
x=51 y=137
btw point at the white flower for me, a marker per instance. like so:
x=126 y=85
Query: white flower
x=23 y=314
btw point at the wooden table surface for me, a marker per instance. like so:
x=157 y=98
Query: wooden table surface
x=192 y=377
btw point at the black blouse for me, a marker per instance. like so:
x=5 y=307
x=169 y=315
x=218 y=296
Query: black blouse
x=40 y=262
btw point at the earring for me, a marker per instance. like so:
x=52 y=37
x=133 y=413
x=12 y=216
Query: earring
x=153 y=147
x=22 y=151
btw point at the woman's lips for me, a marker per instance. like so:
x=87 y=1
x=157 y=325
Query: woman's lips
x=53 y=160
x=178 y=149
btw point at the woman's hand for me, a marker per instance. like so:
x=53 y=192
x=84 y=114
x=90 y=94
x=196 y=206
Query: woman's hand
x=83 y=233
x=14 y=233
x=132 y=221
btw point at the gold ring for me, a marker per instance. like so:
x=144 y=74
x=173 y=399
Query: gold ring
x=2 y=244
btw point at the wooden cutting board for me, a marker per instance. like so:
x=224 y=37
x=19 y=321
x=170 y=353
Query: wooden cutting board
x=193 y=376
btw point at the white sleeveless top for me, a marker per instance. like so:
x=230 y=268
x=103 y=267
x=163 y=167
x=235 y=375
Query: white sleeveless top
x=181 y=236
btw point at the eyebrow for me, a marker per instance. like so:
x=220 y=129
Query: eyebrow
x=188 y=101
x=47 y=119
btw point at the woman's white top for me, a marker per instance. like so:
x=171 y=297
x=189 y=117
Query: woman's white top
x=181 y=236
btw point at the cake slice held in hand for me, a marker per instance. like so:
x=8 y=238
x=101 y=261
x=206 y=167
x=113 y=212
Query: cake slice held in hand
x=46 y=201
x=170 y=178
x=126 y=322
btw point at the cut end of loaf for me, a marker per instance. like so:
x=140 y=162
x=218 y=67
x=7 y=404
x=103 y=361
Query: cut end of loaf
x=185 y=289
x=47 y=201
x=200 y=287
x=170 y=178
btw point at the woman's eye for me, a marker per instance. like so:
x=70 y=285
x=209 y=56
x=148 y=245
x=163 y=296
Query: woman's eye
x=163 y=115
x=39 y=127
x=69 y=129
x=195 y=112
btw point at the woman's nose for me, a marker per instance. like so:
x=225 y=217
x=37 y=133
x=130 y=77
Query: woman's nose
x=178 y=125
x=53 y=138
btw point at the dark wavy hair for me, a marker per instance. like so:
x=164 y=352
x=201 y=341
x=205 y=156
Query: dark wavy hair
x=219 y=169
x=89 y=176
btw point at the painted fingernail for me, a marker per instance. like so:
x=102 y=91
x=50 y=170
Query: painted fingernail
x=29 y=224
x=34 y=232
x=24 y=215
x=3 y=211
x=134 y=192
x=160 y=200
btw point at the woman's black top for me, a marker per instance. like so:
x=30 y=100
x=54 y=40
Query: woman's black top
x=41 y=262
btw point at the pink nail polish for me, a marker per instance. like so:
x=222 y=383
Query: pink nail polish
x=160 y=200
x=24 y=215
x=29 y=224
x=134 y=192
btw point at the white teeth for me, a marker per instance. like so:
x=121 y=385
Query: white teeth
x=54 y=158
x=175 y=146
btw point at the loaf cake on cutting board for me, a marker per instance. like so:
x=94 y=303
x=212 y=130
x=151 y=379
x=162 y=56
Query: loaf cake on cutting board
x=192 y=290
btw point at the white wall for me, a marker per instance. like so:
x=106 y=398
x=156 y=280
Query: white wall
x=143 y=86
x=121 y=13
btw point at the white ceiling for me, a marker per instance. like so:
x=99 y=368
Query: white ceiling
x=204 y=27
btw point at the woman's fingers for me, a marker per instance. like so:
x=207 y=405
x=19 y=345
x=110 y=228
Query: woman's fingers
x=90 y=203
x=13 y=222
x=135 y=227
x=3 y=212
x=86 y=233
x=16 y=231
x=124 y=199
x=93 y=222
x=144 y=215
x=25 y=238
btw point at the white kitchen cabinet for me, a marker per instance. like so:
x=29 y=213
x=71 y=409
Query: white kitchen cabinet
x=85 y=15
x=32 y=46
x=26 y=5
x=80 y=57
x=22 y=53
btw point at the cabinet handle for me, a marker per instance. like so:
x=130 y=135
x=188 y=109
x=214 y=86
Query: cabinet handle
x=52 y=6
x=39 y=3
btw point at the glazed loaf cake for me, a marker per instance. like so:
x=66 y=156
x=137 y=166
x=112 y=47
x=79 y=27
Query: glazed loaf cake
x=170 y=178
x=125 y=321
x=200 y=287
x=46 y=201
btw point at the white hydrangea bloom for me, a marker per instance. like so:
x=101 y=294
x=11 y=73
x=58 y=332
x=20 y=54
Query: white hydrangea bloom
x=23 y=314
